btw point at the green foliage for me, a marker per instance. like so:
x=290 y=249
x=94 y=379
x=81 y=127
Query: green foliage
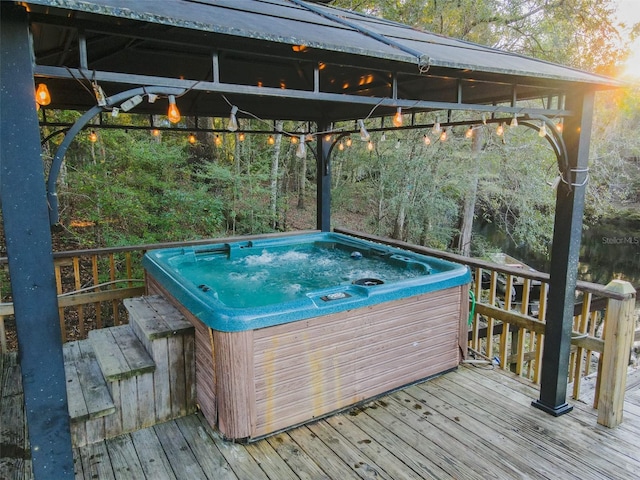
x=135 y=189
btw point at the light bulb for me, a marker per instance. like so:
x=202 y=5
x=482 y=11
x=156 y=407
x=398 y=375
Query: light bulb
x=560 y=127
x=370 y=145
x=543 y=131
x=436 y=127
x=469 y=132
x=383 y=138
x=364 y=135
x=294 y=139
x=348 y=142
x=427 y=140
x=155 y=132
x=217 y=140
x=514 y=122
x=397 y=118
x=232 y=126
x=327 y=138
x=443 y=136
x=500 y=130
x=93 y=136
x=301 y=151
x=341 y=146
x=271 y=140
x=241 y=136
x=398 y=144
x=173 y=114
x=192 y=138
x=42 y=95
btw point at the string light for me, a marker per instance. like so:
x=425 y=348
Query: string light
x=271 y=140
x=370 y=145
x=301 y=151
x=397 y=118
x=241 y=136
x=173 y=114
x=397 y=144
x=232 y=126
x=543 y=131
x=341 y=146
x=192 y=139
x=560 y=127
x=364 y=135
x=426 y=139
x=347 y=142
x=500 y=129
x=514 y=122
x=42 y=95
x=469 y=132
x=327 y=137
x=443 y=136
x=93 y=136
x=293 y=140
x=383 y=138
x=436 y=127
x=155 y=132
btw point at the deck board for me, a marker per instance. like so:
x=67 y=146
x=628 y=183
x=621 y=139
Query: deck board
x=469 y=423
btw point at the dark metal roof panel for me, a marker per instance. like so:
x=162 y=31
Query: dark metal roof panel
x=287 y=22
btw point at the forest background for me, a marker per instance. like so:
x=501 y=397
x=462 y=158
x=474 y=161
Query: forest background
x=127 y=187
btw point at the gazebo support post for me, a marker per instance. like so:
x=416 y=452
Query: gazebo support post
x=323 y=205
x=29 y=250
x=567 y=235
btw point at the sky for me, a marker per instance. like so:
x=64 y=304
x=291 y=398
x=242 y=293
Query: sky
x=629 y=13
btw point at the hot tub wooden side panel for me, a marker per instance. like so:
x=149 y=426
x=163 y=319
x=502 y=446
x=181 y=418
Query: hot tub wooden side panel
x=307 y=369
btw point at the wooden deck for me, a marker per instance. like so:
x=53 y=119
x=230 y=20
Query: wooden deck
x=468 y=424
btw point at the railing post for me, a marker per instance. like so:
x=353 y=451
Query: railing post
x=618 y=338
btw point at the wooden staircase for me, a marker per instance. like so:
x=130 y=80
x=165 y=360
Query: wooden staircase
x=129 y=377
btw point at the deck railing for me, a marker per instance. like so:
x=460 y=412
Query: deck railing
x=509 y=308
x=507 y=324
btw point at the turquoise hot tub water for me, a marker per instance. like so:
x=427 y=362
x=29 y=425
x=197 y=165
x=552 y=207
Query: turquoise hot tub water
x=254 y=284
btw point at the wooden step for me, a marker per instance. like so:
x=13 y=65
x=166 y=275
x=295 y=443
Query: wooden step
x=120 y=353
x=170 y=340
x=152 y=317
x=87 y=392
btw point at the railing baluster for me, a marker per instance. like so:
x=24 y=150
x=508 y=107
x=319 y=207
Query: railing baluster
x=63 y=328
x=492 y=301
x=542 y=316
x=504 y=336
x=3 y=336
x=96 y=281
x=524 y=309
x=78 y=286
x=593 y=320
x=127 y=257
x=112 y=276
x=477 y=287
x=581 y=328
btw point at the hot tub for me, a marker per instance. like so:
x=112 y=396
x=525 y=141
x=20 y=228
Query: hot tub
x=292 y=328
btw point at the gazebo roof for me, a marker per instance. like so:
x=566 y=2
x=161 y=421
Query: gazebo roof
x=284 y=59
